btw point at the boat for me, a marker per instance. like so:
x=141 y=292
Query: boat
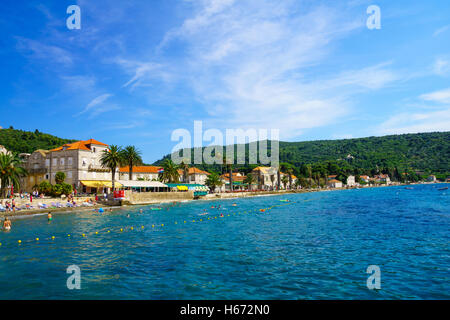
x=409 y=188
x=444 y=188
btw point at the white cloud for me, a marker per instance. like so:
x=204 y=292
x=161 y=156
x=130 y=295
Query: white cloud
x=248 y=64
x=441 y=30
x=442 y=96
x=96 y=103
x=441 y=67
x=422 y=121
x=417 y=122
x=41 y=51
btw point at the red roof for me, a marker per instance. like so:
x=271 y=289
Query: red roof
x=193 y=170
x=141 y=169
x=80 y=145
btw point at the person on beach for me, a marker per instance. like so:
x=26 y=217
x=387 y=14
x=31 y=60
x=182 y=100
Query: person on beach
x=49 y=217
x=7 y=224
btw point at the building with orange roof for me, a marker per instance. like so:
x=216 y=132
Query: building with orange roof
x=333 y=183
x=80 y=161
x=147 y=173
x=195 y=175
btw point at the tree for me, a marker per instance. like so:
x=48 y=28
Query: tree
x=66 y=188
x=185 y=167
x=111 y=158
x=60 y=177
x=11 y=171
x=249 y=180
x=57 y=190
x=285 y=181
x=290 y=172
x=229 y=166
x=170 y=173
x=131 y=156
x=45 y=187
x=213 y=181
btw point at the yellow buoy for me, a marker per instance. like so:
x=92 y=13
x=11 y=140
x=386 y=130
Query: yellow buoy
x=142 y=227
x=153 y=225
x=176 y=222
x=162 y=225
x=131 y=228
x=37 y=239
x=109 y=231
x=68 y=235
x=121 y=229
x=53 y=237
x=20 y=241
x=96 y=232
x=185 y=222
x=83 y=235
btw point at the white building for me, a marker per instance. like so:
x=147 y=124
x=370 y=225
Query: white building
x=80 y=161
x=351 y=181
x=334 y=183
x=146 y=173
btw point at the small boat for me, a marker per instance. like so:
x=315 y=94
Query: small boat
x=409 y=188
x=444 y=188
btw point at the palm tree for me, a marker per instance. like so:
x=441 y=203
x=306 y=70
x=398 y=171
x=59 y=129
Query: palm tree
x=185 y=167
x=213 y=181
x=131 y=156
x=111 y=158
x=249 y=179
x=170 y=173
x=290 y=172
x=229 y=165
x=285 y=180
x=11 y=171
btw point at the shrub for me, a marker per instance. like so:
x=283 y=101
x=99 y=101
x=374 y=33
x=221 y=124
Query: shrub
x=45 y=187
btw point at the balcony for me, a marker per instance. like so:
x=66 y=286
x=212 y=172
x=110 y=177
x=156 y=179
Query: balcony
x=94 y=168
x=38 y=171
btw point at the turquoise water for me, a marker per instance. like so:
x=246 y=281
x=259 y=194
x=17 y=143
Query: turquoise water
x=316 y=247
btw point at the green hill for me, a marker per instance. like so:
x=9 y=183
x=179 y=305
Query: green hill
x=19 y=141
x=425 y=152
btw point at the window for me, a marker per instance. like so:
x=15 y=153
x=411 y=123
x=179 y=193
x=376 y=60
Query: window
x=46 y=176
x=35 y=166
x=55 y=161
x=61 y=161
x=69 y=174
x=93 y=149
x=47 y=162
x=94 y=174
x=84 y=162
x=69 y=161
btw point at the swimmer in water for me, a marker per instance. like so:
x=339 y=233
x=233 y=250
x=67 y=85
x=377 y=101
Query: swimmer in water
x=141 y=211
x=7 y=224
x=49 y=216
x=221 y=214
x=128 y=215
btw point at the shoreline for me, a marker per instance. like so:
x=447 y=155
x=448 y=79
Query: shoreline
x=23 y=214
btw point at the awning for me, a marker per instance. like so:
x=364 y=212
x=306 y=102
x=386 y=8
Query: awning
x=182 y=188
x=100 y=183
x=142 y=184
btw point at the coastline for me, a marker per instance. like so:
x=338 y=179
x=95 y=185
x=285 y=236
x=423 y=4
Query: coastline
x=212 y=197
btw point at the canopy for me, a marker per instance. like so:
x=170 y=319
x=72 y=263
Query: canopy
x=142 y=184
x=100 y=183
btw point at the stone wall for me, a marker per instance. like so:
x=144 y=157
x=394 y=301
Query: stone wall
x=156 y=197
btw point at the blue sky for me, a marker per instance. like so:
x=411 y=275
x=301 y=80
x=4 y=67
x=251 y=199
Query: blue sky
x=137 y=70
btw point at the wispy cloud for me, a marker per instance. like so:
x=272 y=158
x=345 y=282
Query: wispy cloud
x=96 y=105
x=47 y=53
x=424 y=120
x=441 y=30
x=441 y=67
x=441 y=96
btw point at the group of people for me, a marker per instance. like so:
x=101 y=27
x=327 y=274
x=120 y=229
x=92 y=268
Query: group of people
x=9 y=206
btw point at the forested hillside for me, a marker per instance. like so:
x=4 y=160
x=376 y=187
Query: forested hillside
x=19 y=141
x=427 y=152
